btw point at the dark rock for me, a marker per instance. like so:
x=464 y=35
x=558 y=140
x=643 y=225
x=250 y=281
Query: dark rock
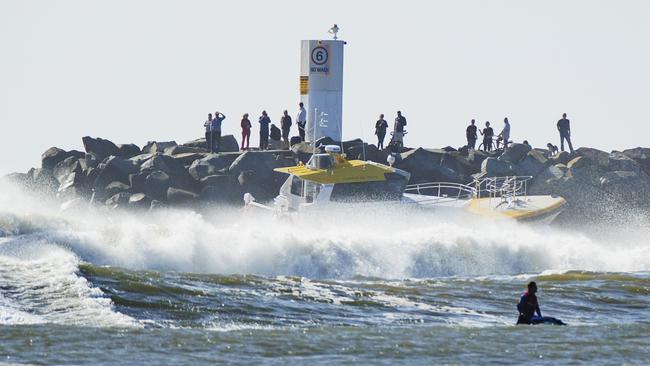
x=139 y=200
x=153 y=147
x=181 y=149
x=180 y=178
x=599 y=157
x=250 y=182
x=585 y=170
x=366 y=152
x=128 y=150
x=91 y=161
x=515 y=153
x=198 y=143
x=114 y=188
x=640 y=155
x=73 y=186
x=137 y=181
x=52 y=156
x=493 y=167
x=177 y=197
x=100 y=147
x=263 y=163
x=115 y=169
x=65 y=167
x=347 y=145
x=156 y=185
x=119 y=199
x=42 y=180
x=228 y=144
x=188 y=158
x=534 y=163
x=449 y=149
x=621 y=162
x=627 y=186
x=425 y=165
x=140 y=159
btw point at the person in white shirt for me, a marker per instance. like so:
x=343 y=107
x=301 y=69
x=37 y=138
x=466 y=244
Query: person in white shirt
x=504 y=136
x=301 y=120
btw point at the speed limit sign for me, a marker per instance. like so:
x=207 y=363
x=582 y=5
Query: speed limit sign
x=319 y=55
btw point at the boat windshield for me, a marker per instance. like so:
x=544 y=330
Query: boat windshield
x=320 y=161
x=303 y=188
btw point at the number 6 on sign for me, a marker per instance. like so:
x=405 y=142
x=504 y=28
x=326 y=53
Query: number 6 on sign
x=319 y=55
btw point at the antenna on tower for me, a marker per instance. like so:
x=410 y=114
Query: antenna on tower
x=334 y=30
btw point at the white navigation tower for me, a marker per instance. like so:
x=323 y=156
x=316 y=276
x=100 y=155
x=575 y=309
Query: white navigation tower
x=321 y=85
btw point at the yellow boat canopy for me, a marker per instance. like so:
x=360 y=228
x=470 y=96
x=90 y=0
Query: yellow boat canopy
x=347 y=171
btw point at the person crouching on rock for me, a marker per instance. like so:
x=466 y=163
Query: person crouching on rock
x=208 y=136
x=245 y=131
x=264 y=122
x=275 y=135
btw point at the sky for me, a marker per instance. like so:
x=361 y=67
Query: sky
x=137 y=71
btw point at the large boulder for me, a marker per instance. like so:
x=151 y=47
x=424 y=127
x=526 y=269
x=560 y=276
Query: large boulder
x=153 y=147
x=210 y=165
x=156 y=185
x=140 y=159
x=534 y=163
x=425 y=165
x=365 y=152
x=628 y=186
x=598 y=157
x=115 y=169
x=493 y=167
x=585 y=170
x=128 y=150
x=101 y=148
x=179 y=176
x=73 y=186
x=642 y=156
x=198 y=143
x=42 y=180
x=223 y=189
x=228 y=143
x=137 y=181
x=54 y=155
x=65 y=167
x=515 y=153
x=621 y=162
x=252 y=182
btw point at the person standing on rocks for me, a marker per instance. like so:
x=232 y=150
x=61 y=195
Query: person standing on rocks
x=208 y=135
x=564 y=127
x=487 y=133
x=470 y=132
x=245 y=131
x=301 y=120
x=380 y=130
x=504 y=136
x=285 y=125
x=215 y=131
x=400 y=122
x=264 y=122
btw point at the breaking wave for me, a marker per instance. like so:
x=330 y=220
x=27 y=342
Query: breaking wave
x=351 y=241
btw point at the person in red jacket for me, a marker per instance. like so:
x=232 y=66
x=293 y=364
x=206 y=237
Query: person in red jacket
x=245 y=131
x=528 y=306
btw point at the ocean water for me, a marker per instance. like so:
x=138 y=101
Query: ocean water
x=359 y=285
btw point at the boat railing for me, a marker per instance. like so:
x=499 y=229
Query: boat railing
x=443 y=189
x=507 y=188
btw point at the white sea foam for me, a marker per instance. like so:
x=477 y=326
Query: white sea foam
x=364 y=241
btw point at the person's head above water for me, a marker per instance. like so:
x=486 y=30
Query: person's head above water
x=532 y=287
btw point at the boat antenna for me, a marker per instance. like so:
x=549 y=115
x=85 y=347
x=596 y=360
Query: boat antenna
x=314 y=143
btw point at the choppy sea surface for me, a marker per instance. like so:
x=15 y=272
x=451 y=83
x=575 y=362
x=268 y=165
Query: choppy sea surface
x=355 y=286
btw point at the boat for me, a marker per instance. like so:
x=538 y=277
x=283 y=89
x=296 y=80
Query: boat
x=328 y=179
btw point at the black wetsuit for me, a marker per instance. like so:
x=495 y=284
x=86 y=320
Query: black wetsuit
x=471 y=136
x=527 y=307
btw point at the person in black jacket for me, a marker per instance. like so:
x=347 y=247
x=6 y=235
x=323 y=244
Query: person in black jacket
x=471 y=135
x=487 y=133
x=380 y=130
x=285 y=125
x=564 y=127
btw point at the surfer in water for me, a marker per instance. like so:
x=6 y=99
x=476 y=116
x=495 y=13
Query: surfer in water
x=528 y=306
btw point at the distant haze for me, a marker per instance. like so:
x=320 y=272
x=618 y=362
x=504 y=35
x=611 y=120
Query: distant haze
x=133 y=71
